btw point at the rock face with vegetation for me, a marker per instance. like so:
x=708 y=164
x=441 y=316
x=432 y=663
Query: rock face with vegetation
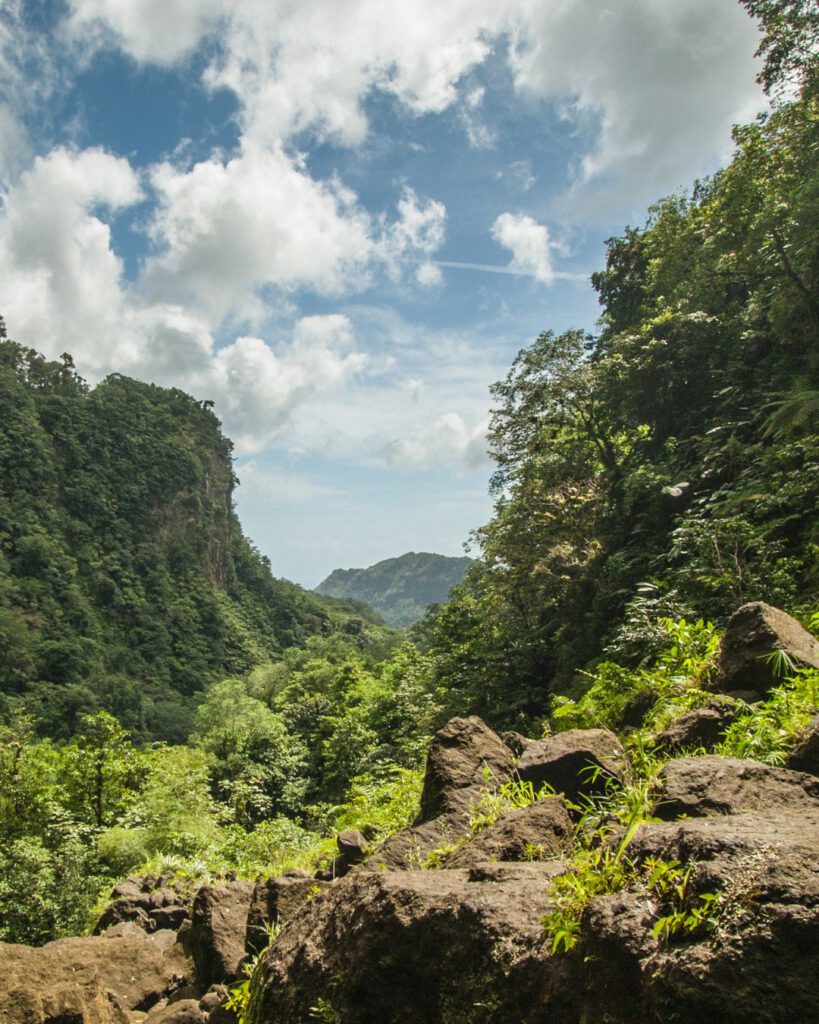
x=712 y=913
x=596 y=876
x=125 y=580
x=399 y=589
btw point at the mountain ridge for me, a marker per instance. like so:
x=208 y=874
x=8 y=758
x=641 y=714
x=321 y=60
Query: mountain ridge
x=400 y=589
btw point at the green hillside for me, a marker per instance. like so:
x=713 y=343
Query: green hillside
x=125 y=580
x=399 y=589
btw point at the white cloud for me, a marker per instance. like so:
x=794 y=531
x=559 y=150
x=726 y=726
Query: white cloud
x=529 y=244
x=223 y=230
x=662 y=81
x=159 y=31
x=418 y=232
x=257 y=389
x=656 y=82
x=61 y=278
x=429 y=275
x=273 y=487
x=448 y=440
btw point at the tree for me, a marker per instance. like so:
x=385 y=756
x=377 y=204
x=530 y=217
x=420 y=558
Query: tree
x=790 y=40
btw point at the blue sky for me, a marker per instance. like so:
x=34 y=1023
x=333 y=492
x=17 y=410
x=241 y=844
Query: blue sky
x=341 y=219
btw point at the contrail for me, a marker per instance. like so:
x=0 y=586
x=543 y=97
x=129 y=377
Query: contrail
x=491 y=268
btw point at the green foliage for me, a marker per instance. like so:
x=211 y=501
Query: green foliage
x=766 y=731
x=669 y=466
x=125 y=581
x=619 y=697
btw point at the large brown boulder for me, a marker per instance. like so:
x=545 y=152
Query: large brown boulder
x=274 y=901
x=576 y=763
x=418 y=947
x=756 y=632
x=761 y=961
x=463 y=756
x=92 y=980
x=541 y=831
x=696 y=786
x=465 y=760
x=218 y=927
x=700 y=727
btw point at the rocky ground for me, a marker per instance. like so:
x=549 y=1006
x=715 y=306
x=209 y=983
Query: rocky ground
x=443 y=924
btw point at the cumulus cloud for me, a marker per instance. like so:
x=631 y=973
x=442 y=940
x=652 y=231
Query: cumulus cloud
x=59 y=271
x=159 y=31
x=417 y=233
x=257 y=389
x=448 y=440
x=657 y=84
x=224 y=229
x=529 y=244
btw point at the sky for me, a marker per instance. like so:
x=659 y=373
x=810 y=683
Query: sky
x=340 y=220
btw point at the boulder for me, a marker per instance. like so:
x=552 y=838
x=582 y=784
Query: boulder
x=696 y=786
x=463 y=755
x=754 y=633
x=762 y=962
x=352 y=850
x=185 y=1011
x=218 y=927
x=541 y=831
x=700 y=727
x=93 y=980
x=352 y=846
x=576 y=763
x=148 y=901
x=516 y=741
x=419 y=947
x=410 y=848
x=274 y=901
x=82 y=1000
x=804 y=755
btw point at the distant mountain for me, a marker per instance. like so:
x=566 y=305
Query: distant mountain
x=400 y=589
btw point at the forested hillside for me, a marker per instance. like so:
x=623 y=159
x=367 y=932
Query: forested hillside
x=125 y=580
x=668 y=465
x=400 y=589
